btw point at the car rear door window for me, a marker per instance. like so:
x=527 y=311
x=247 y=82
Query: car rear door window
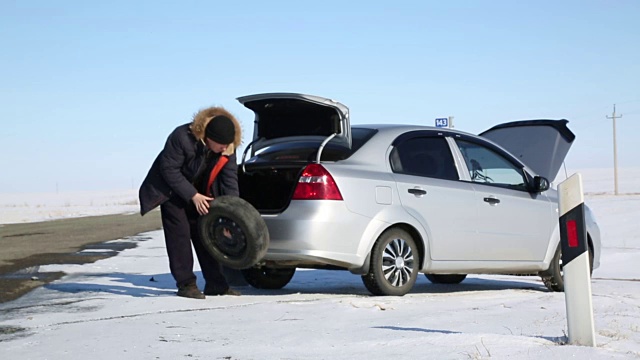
x=424 y=156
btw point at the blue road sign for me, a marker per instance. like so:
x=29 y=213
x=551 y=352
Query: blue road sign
x=442 y=122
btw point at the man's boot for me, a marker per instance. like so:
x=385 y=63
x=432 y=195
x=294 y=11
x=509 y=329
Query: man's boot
x=190 y=291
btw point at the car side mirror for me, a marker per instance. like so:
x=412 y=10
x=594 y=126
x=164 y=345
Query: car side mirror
x=540 y=184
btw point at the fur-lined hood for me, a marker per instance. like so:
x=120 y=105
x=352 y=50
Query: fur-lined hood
x=202 y=118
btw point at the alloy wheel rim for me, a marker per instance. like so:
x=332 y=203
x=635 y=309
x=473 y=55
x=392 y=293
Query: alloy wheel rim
x=397 y=262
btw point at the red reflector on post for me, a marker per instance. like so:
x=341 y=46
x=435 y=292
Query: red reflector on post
x=572 y=233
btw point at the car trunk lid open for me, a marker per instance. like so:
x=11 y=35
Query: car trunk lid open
x=292 y=132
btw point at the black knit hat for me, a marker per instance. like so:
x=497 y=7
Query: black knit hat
x=221 y=130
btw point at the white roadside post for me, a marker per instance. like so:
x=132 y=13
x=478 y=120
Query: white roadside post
x=575 y=262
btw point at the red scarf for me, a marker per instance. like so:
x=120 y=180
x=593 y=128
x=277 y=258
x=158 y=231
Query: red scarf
x=222 y=161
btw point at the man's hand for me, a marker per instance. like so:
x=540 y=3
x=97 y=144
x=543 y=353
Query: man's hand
x=202 y=203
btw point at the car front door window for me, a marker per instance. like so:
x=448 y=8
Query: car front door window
x=488 y=167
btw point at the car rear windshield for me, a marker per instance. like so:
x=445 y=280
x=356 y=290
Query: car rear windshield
x=306 y=151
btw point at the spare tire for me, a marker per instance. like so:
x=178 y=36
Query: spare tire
x=234 y=233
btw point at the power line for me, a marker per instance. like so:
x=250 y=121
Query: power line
x=615 y=152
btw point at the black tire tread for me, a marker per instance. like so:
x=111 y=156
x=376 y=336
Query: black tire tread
x=446 y=278
x=251 y=223
x=268 y=278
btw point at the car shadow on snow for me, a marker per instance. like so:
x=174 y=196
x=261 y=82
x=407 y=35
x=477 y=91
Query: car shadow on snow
x=345 y=283
x=483 y=283
x=305 y=281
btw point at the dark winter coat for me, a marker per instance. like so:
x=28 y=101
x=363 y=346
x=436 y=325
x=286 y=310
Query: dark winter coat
x=185 y=162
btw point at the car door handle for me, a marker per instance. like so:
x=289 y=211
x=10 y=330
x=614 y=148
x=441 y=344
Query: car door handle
x=492 y=200
x=417 y=191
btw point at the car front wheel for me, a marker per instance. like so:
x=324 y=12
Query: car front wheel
x=394 y=264
x=552 y=277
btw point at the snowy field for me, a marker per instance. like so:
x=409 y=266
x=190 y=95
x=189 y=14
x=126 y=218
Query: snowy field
x=125 y=307
x=30 y=207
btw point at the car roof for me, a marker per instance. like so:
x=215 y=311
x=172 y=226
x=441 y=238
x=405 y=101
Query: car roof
x=401 y=128
x=375 y=149
x=541 y=145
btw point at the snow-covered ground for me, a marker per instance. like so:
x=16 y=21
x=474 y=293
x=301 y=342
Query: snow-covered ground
x=30 y=207
x=125 y=307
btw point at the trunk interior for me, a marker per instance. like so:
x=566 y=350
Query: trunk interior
x=269 y=189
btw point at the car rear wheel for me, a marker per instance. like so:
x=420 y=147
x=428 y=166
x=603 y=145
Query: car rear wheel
x=552 y=277
x=446 y=278
x=268 y=278
x=234 y=233
x=394 y=264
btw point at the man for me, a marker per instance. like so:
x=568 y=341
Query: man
x=178 y=182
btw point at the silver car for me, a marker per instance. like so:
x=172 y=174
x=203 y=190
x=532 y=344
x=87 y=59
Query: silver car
x=390 y=201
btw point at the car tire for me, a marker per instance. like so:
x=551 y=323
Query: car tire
x=552 y=277
x=268 y=278
x=249 y=236
x=446 y=278
x=394 y=264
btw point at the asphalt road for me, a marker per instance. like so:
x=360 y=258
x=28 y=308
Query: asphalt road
x=24 y=247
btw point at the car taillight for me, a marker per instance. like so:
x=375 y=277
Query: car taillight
x=316 y=183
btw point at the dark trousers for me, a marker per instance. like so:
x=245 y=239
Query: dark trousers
x=180 y=223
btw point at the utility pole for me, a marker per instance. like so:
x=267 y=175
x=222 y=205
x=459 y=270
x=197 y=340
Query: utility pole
x=615 y=151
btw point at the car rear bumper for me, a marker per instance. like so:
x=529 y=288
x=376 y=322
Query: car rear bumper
x=317 y=232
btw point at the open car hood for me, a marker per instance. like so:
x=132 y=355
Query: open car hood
x=283 y=117
x=540 y=144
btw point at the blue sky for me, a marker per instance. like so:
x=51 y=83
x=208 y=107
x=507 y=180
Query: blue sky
x=90 y=90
